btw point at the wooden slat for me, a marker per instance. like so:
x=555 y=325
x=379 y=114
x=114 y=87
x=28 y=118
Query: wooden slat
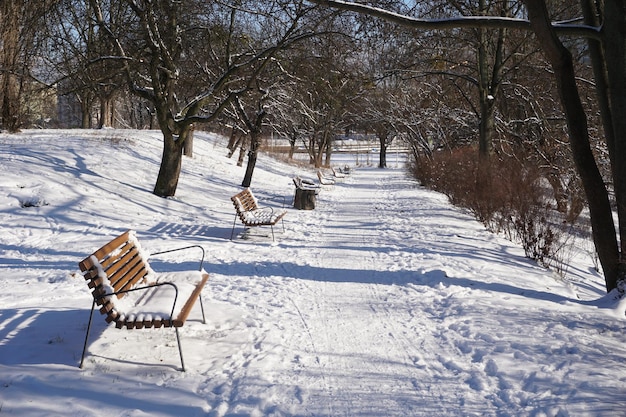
x=112 y=245
x=86 y=263
x=125 y=267
x=91 y=274
x=246 y=199
x=132 y=278
x=111 y=262
x=128 y=272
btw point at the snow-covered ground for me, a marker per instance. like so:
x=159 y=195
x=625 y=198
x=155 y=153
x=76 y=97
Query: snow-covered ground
x=383 y=301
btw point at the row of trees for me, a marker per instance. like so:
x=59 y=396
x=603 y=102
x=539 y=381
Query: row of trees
x=439 y=74
x=562 y=32
x=170 y=64
x=310 y=73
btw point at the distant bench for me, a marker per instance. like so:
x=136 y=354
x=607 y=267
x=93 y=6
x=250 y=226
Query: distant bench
x=251 y=215
x=306 y=184
x=130 y=294
x=306 y=192
x=325 y=180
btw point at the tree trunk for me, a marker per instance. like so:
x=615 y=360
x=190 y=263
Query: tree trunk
x=85 y=117
x=9 y=52
x=188 y=142
x=487 y=125
x=10 y=104
x=252 y=157
x=614 y=32
x=382 y=160
x=235 y=146
x=603 y=228
x=232 y=142
x=169 y=172
x=292 y=144
x=106 y=111
x=328 y=149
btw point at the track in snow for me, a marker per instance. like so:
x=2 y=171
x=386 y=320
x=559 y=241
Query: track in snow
x=334 y=340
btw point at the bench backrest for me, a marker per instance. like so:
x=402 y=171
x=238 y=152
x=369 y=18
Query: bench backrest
x=118 y=264
x=244 y=201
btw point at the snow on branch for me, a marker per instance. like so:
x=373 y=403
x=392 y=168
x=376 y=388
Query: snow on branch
x=493 y=22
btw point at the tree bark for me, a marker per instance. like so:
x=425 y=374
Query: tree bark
x=85 y=113
x=171 y=163
x=106 y=111
x=252 y=157
x=614 y=35
x=188 y=142
x=9 y=53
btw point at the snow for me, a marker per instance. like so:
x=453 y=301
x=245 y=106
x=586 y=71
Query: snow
x=383 y=301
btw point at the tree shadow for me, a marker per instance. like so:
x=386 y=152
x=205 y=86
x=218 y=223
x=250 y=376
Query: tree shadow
x=45 y=336
x=432 y=278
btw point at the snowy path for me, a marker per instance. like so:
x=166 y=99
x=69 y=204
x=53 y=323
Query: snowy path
x=383 y=301
x=398 y=333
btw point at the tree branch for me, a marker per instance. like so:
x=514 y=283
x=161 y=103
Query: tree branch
x=486 y=22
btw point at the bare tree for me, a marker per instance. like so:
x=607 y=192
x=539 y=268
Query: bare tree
x=190 y=60
x=606 y=21
x=323 y=80
x=82 y=59
x=20 y=23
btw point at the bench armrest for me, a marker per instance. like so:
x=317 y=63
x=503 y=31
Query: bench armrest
x=183 y=248
x=279 y=199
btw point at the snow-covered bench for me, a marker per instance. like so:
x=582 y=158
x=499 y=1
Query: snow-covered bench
x=340 y=176
x=248 y=211
x=130 y=294
x=306 y=184
x=325 y=180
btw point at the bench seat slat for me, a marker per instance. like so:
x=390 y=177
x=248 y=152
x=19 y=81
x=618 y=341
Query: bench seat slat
x=158 y=301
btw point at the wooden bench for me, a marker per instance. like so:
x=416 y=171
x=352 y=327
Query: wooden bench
x=251 y=215
x=338 y=174
x=131 y=295
x=345 y=170
x=305 y=184
x=324 y=180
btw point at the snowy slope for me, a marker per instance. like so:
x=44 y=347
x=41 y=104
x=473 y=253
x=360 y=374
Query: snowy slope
x=383 y=301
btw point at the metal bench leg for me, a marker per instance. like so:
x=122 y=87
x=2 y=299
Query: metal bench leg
x=82 y=358
x=232 y=232
x=180 y=350
x=202 y=309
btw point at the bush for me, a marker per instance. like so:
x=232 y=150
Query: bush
x=509 y=196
